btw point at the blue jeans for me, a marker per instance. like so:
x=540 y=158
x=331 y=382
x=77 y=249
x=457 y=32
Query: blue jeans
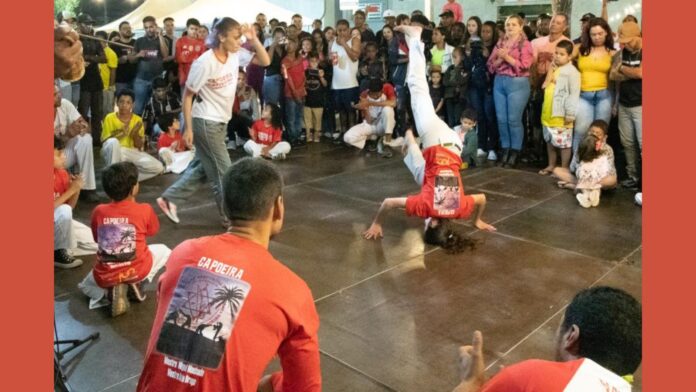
x=211 y=162
x=143 y=90
x=293 y=119
x=272 y=89
x=593 y=105
x=482 y=101
x=510 y=96
x=121 y=86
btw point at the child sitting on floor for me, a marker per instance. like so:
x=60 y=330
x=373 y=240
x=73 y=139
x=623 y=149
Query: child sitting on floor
x=593 y=169
x=266 y=135
x=172 y=149
x=66 y=190
x=124 y=259
x=467 y=133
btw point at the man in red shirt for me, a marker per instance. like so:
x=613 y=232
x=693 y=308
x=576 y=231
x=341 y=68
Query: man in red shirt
x=455 y=8
x=436 y=168
x=227 y=307
x=598 y=348
x=188 y=49
x=377 y=104
x=123 y=258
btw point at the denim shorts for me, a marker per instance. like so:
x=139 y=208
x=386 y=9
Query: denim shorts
x=345 y=98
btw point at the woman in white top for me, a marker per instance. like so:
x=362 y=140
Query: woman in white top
x=213 y=80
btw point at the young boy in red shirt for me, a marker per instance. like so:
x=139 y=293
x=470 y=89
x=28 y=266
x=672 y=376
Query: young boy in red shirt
x=66 y=190
x=226 y=307
x=172 y=150
x=124 y=259
x=188 y=49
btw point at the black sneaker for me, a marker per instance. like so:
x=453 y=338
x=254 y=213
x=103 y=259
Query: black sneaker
x=89 y=197
x=630 y=183
x=119 y=300
x=63 y=259
x=371 y=146
x=386 y=152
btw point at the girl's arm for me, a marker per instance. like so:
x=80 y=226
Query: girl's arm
x=439 y=105
x=375 y=230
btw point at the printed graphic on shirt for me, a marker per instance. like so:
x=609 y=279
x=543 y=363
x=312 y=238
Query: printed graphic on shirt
x=201 y=316
x=446 y=197
x=116 y=242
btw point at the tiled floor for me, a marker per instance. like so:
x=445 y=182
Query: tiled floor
x=393 y=312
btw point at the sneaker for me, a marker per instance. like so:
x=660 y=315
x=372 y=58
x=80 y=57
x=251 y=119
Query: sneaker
x=119 y=300
x=336 y=135
x=328 y=135
x=168 y=208
x=630 y=183
x=594 y=197
x=480 y=153
x=64 y=260
x=398 y=142
x=387 y=152
x=583 y=199
x=371 y=146
x=639 y=198
x=317 y=137
x=278 y=157
x=136 y=293
x=492 y=156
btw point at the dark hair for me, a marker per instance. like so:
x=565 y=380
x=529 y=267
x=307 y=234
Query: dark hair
x=327 y=28
x=479 y=25
x=167 y=19
x=601 y=124
x=610 y=323
x=374 y=85
x=276 y=116
x=250 y=187
x=278 y=30
x=359 y=12
x=441 y=30
x=371 y=44
x=324 y=44
x=421 y=19
x=451 y=239
x=101 y=34
x=469 y=113
x=318 y=20
x=586 y=41
x=311 y=41
x=342 y=22
x=220 y=29
x=125 y=91
x=125 y=22
x=494 y=27
x=149 y=19
x=119 y=179
x=159 y=82
x=587 y=150
x=630 y=18
x=165 y=120
x=113 y=35
x=58 y=143
x=273 y=19
x=544 y=16
x=297 y=49
x=401 y=17
x=567 y=45
x=192 y=21
x=312 y=55
x=296 y=16
x=522 y=15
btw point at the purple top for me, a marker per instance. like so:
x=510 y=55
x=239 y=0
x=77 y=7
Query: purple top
x=521 y=51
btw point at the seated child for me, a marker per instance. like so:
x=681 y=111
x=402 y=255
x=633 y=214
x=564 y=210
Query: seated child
x=124 y=259
x=172 y=149
x=437 y=93
x=561 y=99
x=66 y=190
x=593 y=170
x=266 y=135
x=467 y=133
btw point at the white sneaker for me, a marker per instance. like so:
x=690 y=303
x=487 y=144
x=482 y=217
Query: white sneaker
x=398 y=142
x=480 y=153
x=336 y=135
x=639 y=198
x=278 y=157
x=583 y=199
x=594 y=197
x=328 y=135
x=492 y=156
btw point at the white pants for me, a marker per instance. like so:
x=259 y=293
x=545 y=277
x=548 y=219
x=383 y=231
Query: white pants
x=254 y=149
x=431 y=129
x=97 y=295
x=78 y=151
x=175 y=162
x=82 y=242
x=384 y=125
x=148 y=166
x=62 y=227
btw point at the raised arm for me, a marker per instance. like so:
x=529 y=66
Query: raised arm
x=375 y=230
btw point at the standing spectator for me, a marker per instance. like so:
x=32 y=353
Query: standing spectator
x=510 y=62
x=472 y=32
x=328 y=117
x=306 y=46
x=316 y=86
x=293 y=72
x=372 y=66
x=397 y=59
x=455 y=80
x=628 y=72
x=366 y=35
x=389 y=17
x=66 y=191
x=169 y=62
x=455 y=8
x=447 y=21
x=169 y=32
x=316 y=24
x=273 y=82
x=594 y=57
x=107 y=71
x=127 y=62
x=245 y=111
x=441 y=52
x=437 y=93
x=150 y=51
x=91 y=103
x=266 y=29
x=345 y=53
x=585 y=21
x=188 y=49
x=297 y=22
x=320 y=45
x=457 y=34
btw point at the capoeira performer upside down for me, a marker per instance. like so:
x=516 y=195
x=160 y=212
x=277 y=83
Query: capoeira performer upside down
x=436 y=168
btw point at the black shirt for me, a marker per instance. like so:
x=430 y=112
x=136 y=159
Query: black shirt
x=125 y=73
x=367 y=36
x=150 y=66
x=631 y=90
x=92 y=81
x=436 y=93
x=277 y=57
x=316 y=92
x=155 y=108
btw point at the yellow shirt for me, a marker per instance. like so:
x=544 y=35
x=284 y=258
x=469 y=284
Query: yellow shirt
x=594 y=72
x=547 y=108
x=112 y=125
x=105 y=69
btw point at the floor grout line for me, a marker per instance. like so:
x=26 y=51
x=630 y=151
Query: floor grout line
x=524 y=209
x=353 y=368
x=120 y=382
x=551 y=247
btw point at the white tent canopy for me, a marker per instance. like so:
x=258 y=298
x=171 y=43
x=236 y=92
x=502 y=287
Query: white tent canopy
x=242 y=11
x=160 y=9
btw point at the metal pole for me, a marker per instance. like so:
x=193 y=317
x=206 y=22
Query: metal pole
x=106 y=16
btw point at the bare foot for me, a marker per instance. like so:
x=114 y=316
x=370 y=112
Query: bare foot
x=547 y=170
x=481 y=225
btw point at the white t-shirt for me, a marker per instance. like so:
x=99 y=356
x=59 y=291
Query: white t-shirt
x=345 y=73
x=66 y=114
x=216 y=84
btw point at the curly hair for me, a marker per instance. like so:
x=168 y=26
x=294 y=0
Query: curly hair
x=451 y=239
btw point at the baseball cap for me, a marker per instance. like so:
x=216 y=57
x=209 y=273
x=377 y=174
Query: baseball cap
x=587 y=17
x=389 y=14
x=85 y=18
x=447 y=13
x=421 y=19
x=628 y=31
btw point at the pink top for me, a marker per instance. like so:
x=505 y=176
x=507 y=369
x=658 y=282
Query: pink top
x=520 y=51
x=456 y=9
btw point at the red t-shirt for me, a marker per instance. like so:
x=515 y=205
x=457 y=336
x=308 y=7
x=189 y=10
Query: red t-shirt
x=442 y=194
x=187 y=50
x=120 y=229
x=165 y=141
x=387 y=89
x=266 y=135
x=535 y=375
x=295 y=71
x=225 y=308
x=61 y=182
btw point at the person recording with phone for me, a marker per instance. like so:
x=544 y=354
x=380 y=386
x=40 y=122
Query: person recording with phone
x=273 y=82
